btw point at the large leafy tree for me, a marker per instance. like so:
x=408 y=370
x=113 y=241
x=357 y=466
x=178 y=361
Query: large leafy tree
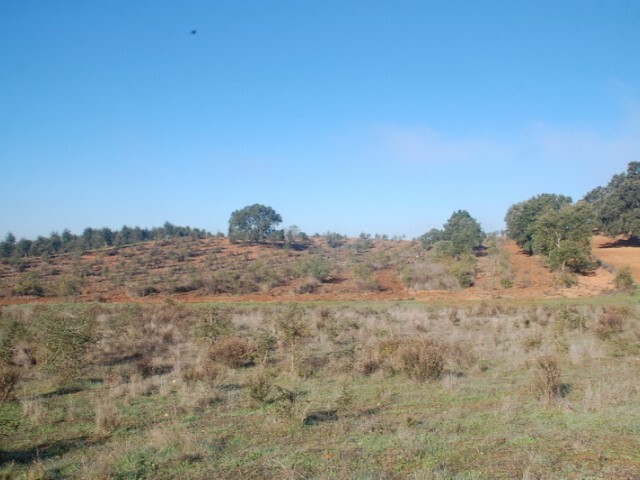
x=521 y=217
x=617 y=206
x=254 y=223
x=461 y=234
x=463 y=231
x=564 y=237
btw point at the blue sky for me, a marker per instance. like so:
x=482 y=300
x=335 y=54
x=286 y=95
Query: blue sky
x=347 y=116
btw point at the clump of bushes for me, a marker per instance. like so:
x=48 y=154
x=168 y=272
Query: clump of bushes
x=234 y=352
x=426 y=276
x=313 y=266
x=141 y=289
x=566 y=279
x=29 y=285
x=289 y=404
x=291 y=323
x=309 y=285
x=335 y=240
x=212 y=323
x=365 y=279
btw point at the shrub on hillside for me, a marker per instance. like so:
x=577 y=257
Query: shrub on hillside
x=260 y=384
x=141 y=289
x=29 y=285
x=313 y=266
x=334 y=240
x=234 y=352
x=212 y=323
x=624 y=279
x=309 y=285
x=464 y=274
x=365 y=278
x=291 y=324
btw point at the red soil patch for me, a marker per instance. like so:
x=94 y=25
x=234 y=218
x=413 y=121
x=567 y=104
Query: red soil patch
x=534 y=280
x=618 y=252
x=531 y=279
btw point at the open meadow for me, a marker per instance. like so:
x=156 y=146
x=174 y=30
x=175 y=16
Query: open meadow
x=406 y=389
x=370 y=358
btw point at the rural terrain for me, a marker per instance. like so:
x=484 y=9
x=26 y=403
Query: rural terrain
x=199 y=358
x=213 y=269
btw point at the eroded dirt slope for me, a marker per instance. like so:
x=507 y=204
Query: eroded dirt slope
x=533 y=280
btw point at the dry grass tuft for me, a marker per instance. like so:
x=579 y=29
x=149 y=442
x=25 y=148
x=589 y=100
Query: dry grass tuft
x=423 y=359
x=9 y=377
x=532 y=342
x=106 y=416
x=547 y=378
x=197 y=397
x=35 y=409
x=609 y=323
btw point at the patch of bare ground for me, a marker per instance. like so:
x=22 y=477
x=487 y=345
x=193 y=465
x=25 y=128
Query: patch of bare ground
x=213 y=270
x=618 y=252
x=532 y=279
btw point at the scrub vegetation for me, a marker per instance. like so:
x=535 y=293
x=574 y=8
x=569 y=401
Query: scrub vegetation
x=276 y=354
x=291 y=390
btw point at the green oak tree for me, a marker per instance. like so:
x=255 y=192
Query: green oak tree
x=461 y=234
x=617 y=205
x=254 y=223
x=521 y=217
x=564 y=237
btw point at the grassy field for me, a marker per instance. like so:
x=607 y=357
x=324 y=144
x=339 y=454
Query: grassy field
x=329 y=390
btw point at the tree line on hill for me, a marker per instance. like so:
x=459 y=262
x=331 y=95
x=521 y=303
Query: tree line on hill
x=550 y=225
x=92 y=238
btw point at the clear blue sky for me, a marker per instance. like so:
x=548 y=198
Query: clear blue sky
x=347 y=116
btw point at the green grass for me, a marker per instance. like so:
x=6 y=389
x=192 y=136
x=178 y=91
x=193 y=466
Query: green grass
x=481 y=420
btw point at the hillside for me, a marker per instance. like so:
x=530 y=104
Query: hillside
x=212 y=269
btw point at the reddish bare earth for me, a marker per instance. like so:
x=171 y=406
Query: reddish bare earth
x=533 y=280
x=157 y=264
x=619 y=253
